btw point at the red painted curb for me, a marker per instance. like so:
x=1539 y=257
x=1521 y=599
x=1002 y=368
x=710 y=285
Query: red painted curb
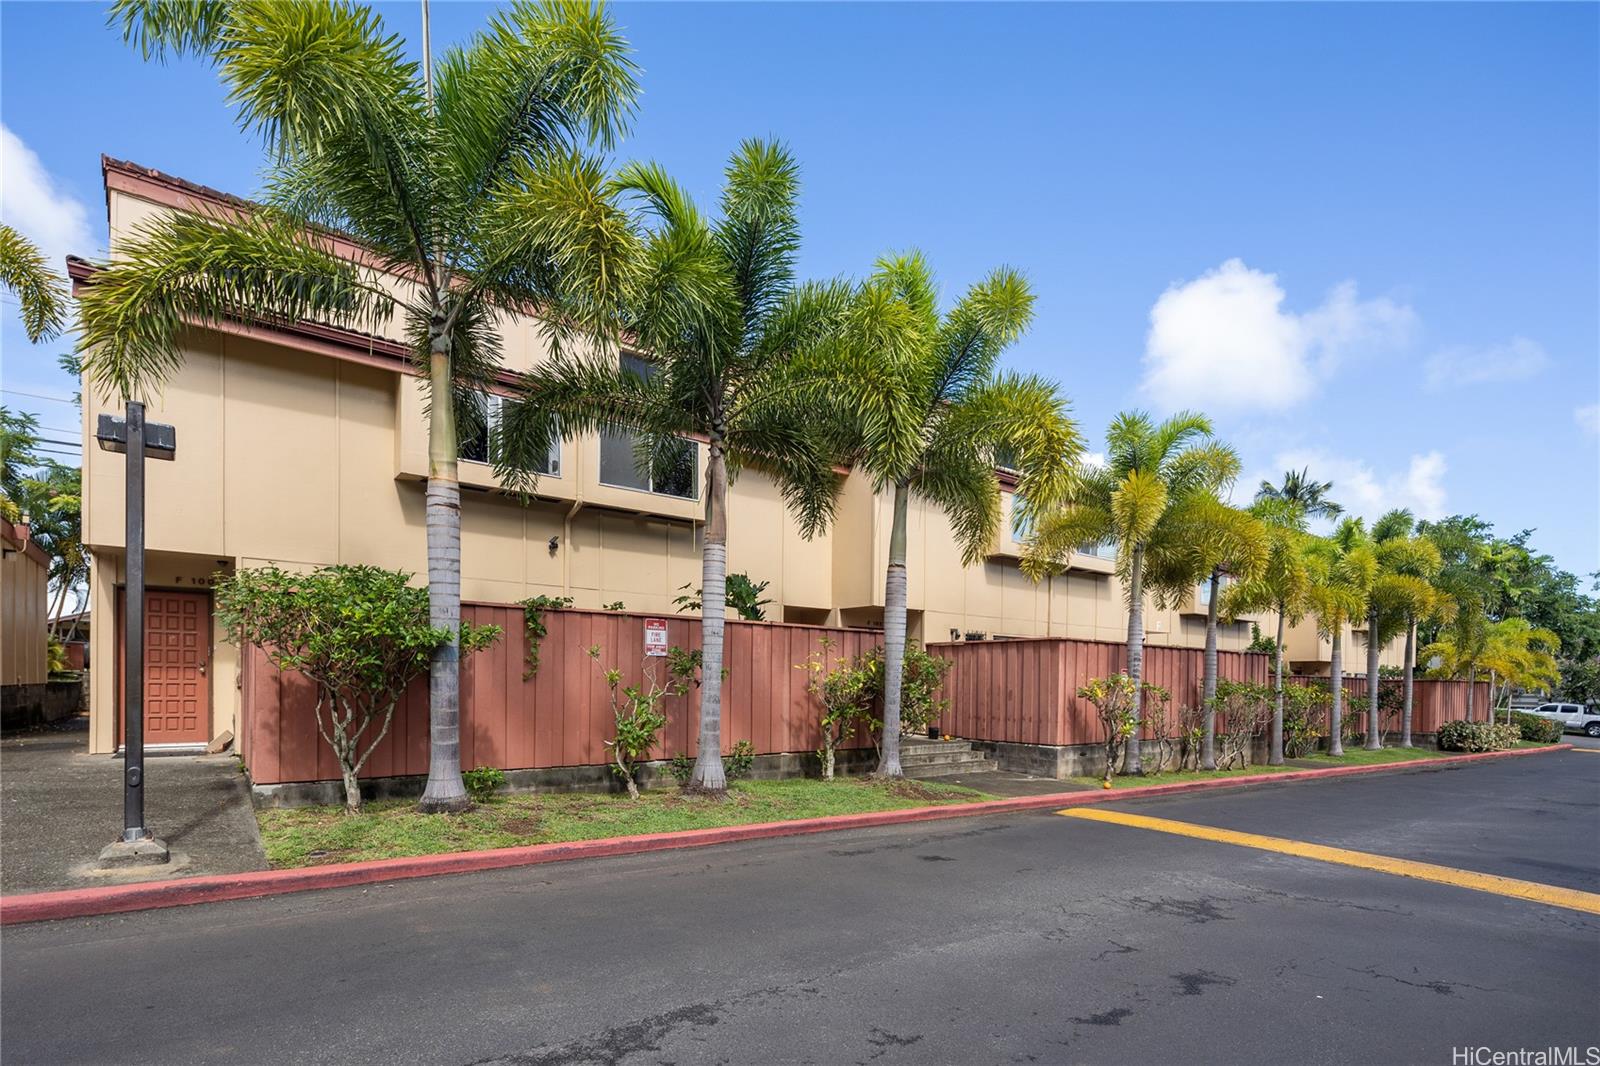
x=117 y=899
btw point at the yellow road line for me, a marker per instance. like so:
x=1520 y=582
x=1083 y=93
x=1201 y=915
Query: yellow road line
x=1590 y=751
x=1570 y=898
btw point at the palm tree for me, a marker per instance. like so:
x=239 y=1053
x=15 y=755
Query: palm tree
x=1402 y=593
x=715 y=310
x=1153 y=476
x=38 y=289
x=1299 y=489
x=927 y=415
x=1222 y=541
x=466 y=180
x=1342 y=567
x=1512 y=650
x=1283 y=586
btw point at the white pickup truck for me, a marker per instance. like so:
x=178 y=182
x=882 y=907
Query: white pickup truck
x=1574 y=717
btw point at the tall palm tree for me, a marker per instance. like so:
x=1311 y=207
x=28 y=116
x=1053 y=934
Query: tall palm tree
x=1154 y=475
x=1300 y=489
x=926 y=414
x=1342 y=567
x=715 y=310
x=38 y=289
x=467 y=181
x=1282 y=586
x=1223 y=542
x=1402 y=593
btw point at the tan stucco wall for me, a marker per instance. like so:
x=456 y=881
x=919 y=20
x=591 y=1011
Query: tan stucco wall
x=24 y=604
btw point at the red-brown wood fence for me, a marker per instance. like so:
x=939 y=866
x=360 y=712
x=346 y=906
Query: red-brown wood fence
x=562 y=715
x=1026 y=691
x=1018 y=691
x=1432 y=702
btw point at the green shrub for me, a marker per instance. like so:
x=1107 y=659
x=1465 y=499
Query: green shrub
x=920 y=678
x=639 y=718
x=1112 y=698
x=1539 y=730
x=682 y=768
x=738 y=762
x=1305 y=708
x=1477 y=736
x=846 y=694
x=483 y=781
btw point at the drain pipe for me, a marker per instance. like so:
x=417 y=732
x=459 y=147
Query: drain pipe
x=566 y=545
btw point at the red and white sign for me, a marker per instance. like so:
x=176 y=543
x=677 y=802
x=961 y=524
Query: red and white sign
x=655 y=636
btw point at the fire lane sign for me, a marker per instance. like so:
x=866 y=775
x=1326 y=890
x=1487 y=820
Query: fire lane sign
x=655 y=636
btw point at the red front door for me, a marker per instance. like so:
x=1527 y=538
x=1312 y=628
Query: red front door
x=177 y=654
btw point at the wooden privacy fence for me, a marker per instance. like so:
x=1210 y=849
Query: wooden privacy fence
x=1432 y=702
x=1026 y=691
x=562 y=715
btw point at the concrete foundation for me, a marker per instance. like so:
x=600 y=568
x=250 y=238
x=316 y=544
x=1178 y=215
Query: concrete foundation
x=600 y=778
x=122 y=854
x=29 y=706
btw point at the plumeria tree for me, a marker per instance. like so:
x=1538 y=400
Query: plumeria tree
x=716 y=316
x=928 y=414
x=1155 y=475
x=465 y=187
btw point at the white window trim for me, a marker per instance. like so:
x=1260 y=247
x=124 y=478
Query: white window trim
x=493 y=402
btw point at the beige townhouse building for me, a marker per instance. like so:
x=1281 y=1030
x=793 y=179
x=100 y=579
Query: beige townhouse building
x=303 y=445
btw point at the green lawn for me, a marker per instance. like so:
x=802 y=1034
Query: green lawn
x=1357 y=756
x=312 y=836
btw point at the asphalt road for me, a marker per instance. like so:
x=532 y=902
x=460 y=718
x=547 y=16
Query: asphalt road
x=1026 y=938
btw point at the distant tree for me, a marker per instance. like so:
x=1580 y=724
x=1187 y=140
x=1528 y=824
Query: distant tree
x=1300 y=490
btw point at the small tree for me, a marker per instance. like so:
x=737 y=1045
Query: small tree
x=1113 y=697
x=1242 y=710
x=922 y=676
x=638 y=714
x=361 y=633
x=846 y=694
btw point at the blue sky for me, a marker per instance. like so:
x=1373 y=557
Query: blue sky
x=1364 y=237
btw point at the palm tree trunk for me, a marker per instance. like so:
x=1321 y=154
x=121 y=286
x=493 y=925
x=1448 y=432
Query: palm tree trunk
x=1336 y=708
x=894 y=636
x=445 y=790
x=1275 y=738
x=1135 y=652
x=1374 y=740
x=1410 y=669
x=1208 y=681
x=1470 y=686
x=708 y=775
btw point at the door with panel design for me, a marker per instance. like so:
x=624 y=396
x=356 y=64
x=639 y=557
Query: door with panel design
x=177 y=655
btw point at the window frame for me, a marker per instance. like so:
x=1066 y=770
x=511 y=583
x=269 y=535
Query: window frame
x=493 y=401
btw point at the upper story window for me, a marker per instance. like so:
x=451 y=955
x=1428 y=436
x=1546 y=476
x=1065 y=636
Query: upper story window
x=619 y=466
x=1202 y=591
x=476 y=447
x=1104 y=550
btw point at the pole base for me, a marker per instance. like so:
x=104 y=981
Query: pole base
x=122 y=854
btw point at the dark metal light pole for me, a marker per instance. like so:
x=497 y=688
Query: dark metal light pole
x=137 y=439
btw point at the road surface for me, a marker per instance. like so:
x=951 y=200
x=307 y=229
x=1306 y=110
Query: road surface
x=1021 y=938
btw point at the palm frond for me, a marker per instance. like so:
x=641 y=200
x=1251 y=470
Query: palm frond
x=162 y=27
x=199 y=270
x=41 y=292
x=760 y=229
x=988 y=319
x=962 y=481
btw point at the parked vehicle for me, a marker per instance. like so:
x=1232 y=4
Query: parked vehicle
x=1574 y=717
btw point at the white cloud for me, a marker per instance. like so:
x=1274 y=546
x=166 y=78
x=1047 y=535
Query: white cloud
x=1224 y=342
x=1094 y=459
x=1514 y=360
x=31 y=202
x=1588 y=418
x=1365 y=492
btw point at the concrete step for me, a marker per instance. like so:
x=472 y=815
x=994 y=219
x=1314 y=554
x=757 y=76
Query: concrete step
x=921 y=744
x=962 y=769
x=935 y=757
